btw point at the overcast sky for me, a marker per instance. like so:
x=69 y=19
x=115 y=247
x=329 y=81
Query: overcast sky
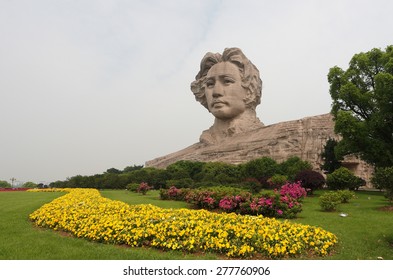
x=90 y=85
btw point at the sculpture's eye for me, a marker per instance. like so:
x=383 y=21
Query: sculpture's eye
x=210 y=83
x=227 y=81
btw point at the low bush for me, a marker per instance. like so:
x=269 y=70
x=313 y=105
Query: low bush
x=174 y=193
x=346 y=195
x=133 y=187
x=277 y=180
x=143 y=188
x=329 y=201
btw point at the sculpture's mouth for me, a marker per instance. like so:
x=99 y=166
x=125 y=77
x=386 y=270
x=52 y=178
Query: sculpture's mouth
x=218 y=103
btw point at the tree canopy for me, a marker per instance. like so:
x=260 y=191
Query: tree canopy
x=363 y=106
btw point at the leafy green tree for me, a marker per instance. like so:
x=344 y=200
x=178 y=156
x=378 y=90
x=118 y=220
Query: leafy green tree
x=292 y=166
x=5 y=184
x=113 y=171
x=383 y=179
x=220 y=172
x=29 y=185
x=186 y=169
x=264 y=167
x=132 y=168
x=363 y=106
x=330 y=161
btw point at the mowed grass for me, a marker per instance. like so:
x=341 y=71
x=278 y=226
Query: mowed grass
x=366 y=233
x=21 y=240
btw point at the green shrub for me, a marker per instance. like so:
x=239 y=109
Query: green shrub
x=342 y=179
x=278 y=180
x=383 y=179
x=346 y=195
x=329 y=201
x=132 y=187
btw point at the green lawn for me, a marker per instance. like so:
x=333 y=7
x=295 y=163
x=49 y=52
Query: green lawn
x=366 y=233
x=21 y=240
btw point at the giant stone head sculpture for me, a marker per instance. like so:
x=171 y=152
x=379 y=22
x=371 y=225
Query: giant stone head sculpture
x=229 y=86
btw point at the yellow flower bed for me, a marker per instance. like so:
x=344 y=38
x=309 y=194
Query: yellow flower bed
x=85 y=213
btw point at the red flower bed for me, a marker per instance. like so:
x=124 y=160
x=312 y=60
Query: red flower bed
x=13 y=189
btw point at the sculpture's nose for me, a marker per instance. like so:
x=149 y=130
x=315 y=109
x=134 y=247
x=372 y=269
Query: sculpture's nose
x=218 y=90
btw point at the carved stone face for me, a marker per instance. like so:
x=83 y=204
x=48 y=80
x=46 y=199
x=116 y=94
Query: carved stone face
x=224 y=93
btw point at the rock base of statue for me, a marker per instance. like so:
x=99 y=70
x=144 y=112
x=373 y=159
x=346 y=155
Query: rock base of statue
x=304 y=138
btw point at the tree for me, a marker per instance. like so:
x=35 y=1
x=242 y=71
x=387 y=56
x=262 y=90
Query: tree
x=264 y=167
x=330 y=161
x=293 y=165
x=383 y=179
x=113 y=171
x=29 y=185
x=132 y=168
x=4 y=184
x=363 y=106
x=220 y=172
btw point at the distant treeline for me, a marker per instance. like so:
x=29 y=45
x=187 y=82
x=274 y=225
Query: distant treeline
x=262 y=172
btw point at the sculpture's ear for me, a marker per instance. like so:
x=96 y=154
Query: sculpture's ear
x=249 y=99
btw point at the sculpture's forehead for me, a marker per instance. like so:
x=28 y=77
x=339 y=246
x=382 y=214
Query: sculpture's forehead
x=223 y=69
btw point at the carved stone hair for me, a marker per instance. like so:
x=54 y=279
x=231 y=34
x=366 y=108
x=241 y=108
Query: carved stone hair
x=248 y=72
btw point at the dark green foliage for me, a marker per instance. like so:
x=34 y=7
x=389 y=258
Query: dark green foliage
x=342 y=179
x=220 y=172
x=330 y=161
x=259 y=168
x=255 y=175
x=292 y=166
x=5 y=184
x=181 y=183
x=132 y=168
x=185 y=169
x=383 y=179
x=363 y=106
x=29 y=185
x=310 y=180
x=113 y=171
